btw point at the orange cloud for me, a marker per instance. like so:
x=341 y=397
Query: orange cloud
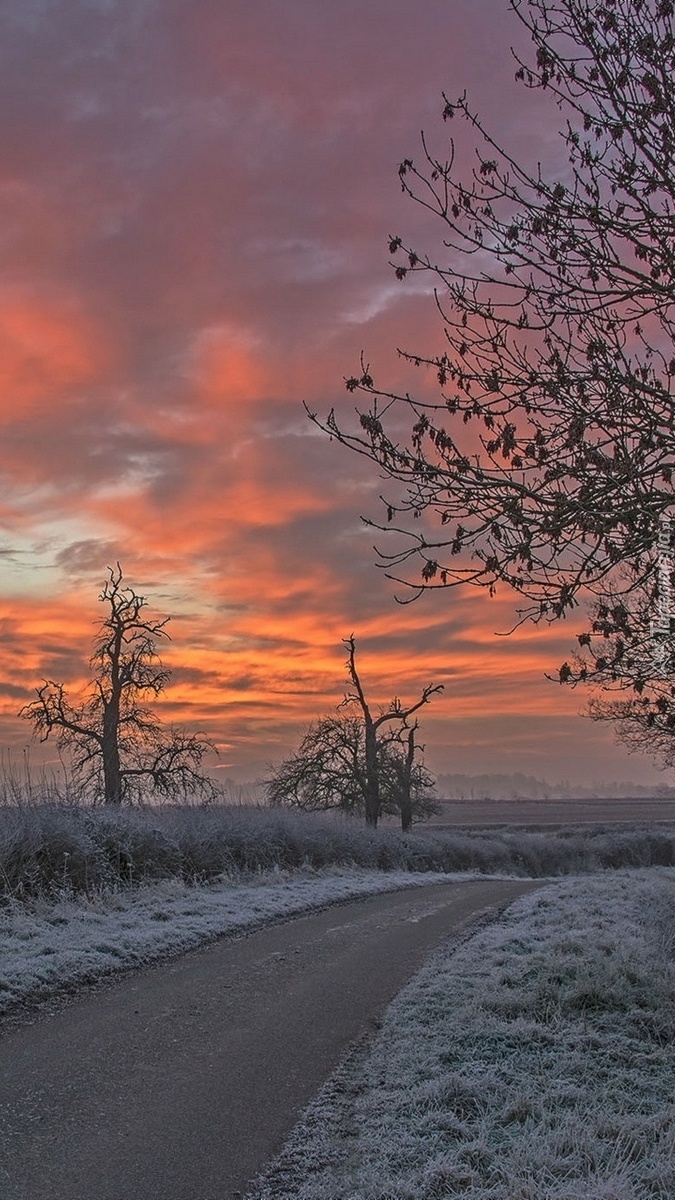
x=45 y=350
x=191 y=251
x=226 y=367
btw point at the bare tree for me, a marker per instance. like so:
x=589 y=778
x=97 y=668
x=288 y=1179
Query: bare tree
x=412 y=786
x=547 y=457
x=359 y=762
x=117 y=745
x=328 y=771
x=397 y=715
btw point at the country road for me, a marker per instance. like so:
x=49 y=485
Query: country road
x=180 y=1081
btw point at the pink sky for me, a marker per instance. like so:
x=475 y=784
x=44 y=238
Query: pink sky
x=195 y=204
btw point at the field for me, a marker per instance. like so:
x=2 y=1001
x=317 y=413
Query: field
x=542 y=813
x=533 y=1061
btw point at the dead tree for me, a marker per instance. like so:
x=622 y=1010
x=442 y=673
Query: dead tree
x=413 y=785
x=116 y=743
x=396 y=715
x=357 y=762
x=326 y=772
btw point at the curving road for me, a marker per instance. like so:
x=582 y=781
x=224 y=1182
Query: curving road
x=180 y=1081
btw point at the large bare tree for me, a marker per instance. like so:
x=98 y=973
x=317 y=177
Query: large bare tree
x=396 y=716
x=358 y=761
x=328 y=771
x=545 y=458
x=117 y=745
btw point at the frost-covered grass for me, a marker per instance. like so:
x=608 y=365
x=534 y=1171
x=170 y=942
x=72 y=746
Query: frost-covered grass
x=56 y=847
x=536 y=1061
x=48 y=942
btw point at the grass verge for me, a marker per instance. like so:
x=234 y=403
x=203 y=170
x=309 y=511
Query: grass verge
x=49 y=944
x=534 y=1062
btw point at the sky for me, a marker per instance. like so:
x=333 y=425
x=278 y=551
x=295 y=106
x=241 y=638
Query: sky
x=196 y=199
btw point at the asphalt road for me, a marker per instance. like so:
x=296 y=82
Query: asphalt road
x=181 y=1081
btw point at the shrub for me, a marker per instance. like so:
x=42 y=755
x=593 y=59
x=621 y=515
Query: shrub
x=56 y=847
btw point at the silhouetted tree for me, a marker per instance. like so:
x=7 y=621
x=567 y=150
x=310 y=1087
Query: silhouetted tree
x=116 y=744
x=361 y=763
x=328 y=771
x=396 y=715
x=547 y=458
x=412 y=786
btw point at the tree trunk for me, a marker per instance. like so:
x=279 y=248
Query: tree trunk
x=112 y=772
x=406 y=784
x=406 y=812
x=372 y=797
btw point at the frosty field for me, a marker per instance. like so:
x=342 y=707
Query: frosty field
x=86 y=891
x=49 y=943
x=533 y=1062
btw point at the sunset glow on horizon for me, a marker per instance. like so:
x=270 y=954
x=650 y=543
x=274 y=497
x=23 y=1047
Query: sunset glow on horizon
x=195 y=205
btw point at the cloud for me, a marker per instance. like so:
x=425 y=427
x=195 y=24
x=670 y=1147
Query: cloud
x=195 y=202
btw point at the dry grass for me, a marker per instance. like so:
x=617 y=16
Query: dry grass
x=58 y=847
